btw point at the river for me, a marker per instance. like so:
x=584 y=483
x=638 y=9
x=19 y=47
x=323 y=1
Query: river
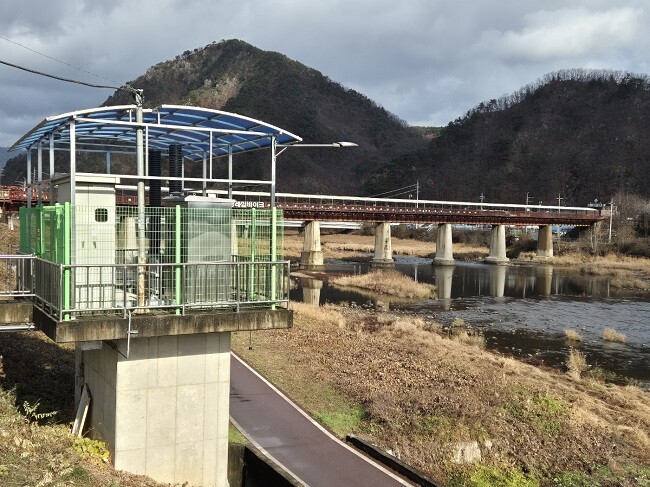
x=522 y=310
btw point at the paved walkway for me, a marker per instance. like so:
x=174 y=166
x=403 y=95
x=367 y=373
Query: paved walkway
x=309 y=452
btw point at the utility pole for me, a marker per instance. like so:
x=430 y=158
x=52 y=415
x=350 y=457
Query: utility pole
x=559 y=202
x=417 y=193
x=482 y=199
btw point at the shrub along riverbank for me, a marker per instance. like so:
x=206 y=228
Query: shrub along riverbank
x=463 y=415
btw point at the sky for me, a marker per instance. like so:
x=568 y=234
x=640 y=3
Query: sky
x=427 y=61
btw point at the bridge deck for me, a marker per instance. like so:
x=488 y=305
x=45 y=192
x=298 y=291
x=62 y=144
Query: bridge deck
x=298 y=211
x=359 y=209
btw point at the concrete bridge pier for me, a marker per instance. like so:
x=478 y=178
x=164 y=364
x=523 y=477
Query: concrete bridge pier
x=163 y=411
x=311 y=290
x=311 y=257
x=545 y=242
x=497 y=253
x=444 y=246
x=383 y=257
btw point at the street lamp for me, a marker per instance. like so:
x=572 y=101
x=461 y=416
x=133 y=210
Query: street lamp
x=333 y=144
x=275 y=153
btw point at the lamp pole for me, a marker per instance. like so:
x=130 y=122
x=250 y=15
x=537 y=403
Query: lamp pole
x=275 y=153
x=274 y=156
x=139 y=154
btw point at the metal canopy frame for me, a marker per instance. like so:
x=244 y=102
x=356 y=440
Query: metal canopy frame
x=198 y=130
x=203 y=134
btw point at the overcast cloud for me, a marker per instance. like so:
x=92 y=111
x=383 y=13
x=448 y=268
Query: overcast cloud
x=427 y=61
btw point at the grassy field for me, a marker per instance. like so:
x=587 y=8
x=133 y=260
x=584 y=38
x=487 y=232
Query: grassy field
x=623 y=271
x=426 y=396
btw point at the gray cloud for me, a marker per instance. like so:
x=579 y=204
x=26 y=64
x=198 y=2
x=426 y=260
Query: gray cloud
x=427 y=61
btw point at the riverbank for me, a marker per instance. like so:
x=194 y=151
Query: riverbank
x=623 y=271
x=441 y=403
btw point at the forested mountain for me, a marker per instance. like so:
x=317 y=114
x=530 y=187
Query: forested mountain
x=237 y=77
x=576 y=133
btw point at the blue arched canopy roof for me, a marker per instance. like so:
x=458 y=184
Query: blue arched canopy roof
x=196 y=129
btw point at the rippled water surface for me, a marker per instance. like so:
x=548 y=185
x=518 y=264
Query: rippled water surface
x=523 y=310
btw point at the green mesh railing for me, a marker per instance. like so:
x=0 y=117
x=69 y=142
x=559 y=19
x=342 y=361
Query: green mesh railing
x=81 y=237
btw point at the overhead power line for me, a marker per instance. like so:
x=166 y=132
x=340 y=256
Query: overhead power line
x=69 y=80
x=58 y=60
x=398 y=191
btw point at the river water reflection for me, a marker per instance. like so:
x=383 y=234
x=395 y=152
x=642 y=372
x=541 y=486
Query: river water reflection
x=522 y=310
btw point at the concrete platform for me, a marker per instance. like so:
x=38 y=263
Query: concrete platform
x=150 y=325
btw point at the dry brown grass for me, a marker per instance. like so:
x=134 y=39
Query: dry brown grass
x=342 y=246
x=611 y=335
x=390 y=283
x=576 y=363
x=9 y=242
x=624 y=271
x=424 y=392
x=572 y=336
x=36 y=370
x=317 y=315
x=475 y=339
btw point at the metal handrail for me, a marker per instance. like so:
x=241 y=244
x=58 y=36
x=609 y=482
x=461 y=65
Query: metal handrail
x=412 y=204
x=92 y=289
x=106 y=288
x=20 y=266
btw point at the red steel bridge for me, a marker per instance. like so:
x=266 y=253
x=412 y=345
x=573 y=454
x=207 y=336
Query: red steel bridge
x=305 y=207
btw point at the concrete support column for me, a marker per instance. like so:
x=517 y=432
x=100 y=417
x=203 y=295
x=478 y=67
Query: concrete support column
x=312 y=256
x=545 y=242
x=383 y=247
x=164 y=410
x=497 y=253
x=311 y=290
x=444 y=246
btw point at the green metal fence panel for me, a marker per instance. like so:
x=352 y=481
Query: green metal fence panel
x=97 y=248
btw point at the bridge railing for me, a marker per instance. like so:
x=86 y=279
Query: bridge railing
x=73 y=291
x=286 y=200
